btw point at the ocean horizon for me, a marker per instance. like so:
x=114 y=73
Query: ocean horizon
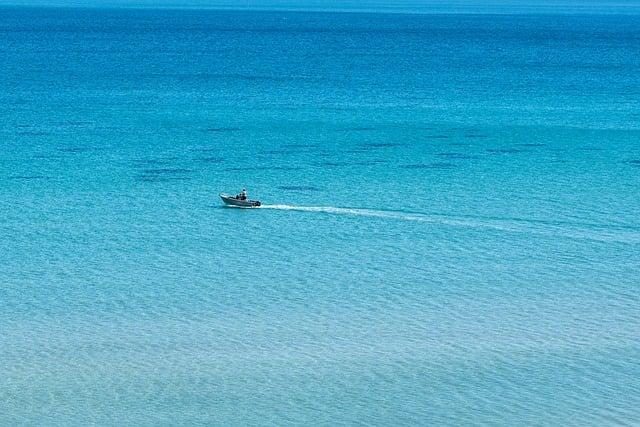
x=449 y=228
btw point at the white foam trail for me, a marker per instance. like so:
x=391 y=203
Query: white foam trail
x=398 y=215
x=333 y=210
x=507 y=225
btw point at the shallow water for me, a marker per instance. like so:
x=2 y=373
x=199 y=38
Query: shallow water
x=449 y=235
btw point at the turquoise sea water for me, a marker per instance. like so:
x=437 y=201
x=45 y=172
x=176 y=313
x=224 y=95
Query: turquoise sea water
x=450 y=235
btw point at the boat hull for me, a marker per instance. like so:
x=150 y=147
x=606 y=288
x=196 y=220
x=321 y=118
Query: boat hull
x=232 y=201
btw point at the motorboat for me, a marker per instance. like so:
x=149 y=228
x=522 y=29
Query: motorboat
x=236 y=201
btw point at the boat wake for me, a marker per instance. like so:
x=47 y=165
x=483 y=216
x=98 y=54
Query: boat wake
x=581 y=231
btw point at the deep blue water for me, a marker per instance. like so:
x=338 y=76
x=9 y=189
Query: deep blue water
x=450 y=236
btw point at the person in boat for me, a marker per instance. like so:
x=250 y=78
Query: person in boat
x=242 y=195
